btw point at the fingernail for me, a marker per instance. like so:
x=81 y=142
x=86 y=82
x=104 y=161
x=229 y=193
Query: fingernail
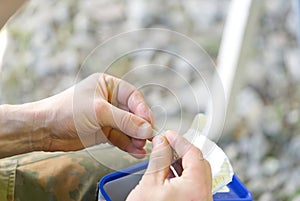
x=144 y=131
x=157 y=141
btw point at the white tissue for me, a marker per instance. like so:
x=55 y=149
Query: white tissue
x=222 y=171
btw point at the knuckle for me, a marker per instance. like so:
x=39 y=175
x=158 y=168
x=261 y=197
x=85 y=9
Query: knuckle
x=101 y=106
x=102 y=109
x=125 y=121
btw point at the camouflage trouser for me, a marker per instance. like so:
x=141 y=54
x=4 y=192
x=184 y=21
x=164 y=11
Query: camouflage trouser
x=57 y=175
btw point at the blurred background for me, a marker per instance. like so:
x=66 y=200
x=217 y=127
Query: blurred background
x=48 y=41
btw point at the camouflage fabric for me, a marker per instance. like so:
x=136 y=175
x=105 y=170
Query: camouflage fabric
x=60 y=176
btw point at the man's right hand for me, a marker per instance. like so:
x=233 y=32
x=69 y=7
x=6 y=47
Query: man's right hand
x=194 y=182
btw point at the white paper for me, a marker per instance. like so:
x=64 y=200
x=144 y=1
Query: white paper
x=222 y=171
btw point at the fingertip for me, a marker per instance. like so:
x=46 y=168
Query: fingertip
x=157 y=140
x=138 y=143
x=144 y=131
x=178 y=143
x=145 y=112
x=171 y=135
x=136 y=152
x=138 y=106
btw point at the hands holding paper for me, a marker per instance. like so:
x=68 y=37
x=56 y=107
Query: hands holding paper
x=100 y=109
x=194 y=181
x=121 y=117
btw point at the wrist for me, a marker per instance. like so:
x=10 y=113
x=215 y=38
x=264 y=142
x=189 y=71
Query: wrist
x=22 y=128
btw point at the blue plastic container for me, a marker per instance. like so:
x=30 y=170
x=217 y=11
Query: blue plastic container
x=117 y=185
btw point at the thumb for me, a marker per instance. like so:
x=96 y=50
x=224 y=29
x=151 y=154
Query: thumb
x=160 y=160
x=127 y=122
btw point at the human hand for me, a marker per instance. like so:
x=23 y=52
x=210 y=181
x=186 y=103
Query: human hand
x=98 y=109
x=194 y=182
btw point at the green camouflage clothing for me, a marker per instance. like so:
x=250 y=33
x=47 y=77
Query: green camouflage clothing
x=60 y=176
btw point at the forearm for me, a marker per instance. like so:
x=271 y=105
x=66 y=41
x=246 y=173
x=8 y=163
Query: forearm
x=22 y=129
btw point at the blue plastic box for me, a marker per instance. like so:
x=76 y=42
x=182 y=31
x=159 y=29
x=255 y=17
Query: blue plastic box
x=117 y=185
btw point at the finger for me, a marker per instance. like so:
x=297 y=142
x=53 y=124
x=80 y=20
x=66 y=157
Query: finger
x=159 y=162
x=138 y=143
x=126 y=95
x=178 y=143
x=123 y=107
x=124 y=142
x=189 y=153
x=128 y=123
x=138 y=106
x=193 y=164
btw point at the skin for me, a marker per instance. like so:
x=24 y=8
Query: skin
x=194 y=182
x=110 y=108
x=111 y=111
x=50 y=125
